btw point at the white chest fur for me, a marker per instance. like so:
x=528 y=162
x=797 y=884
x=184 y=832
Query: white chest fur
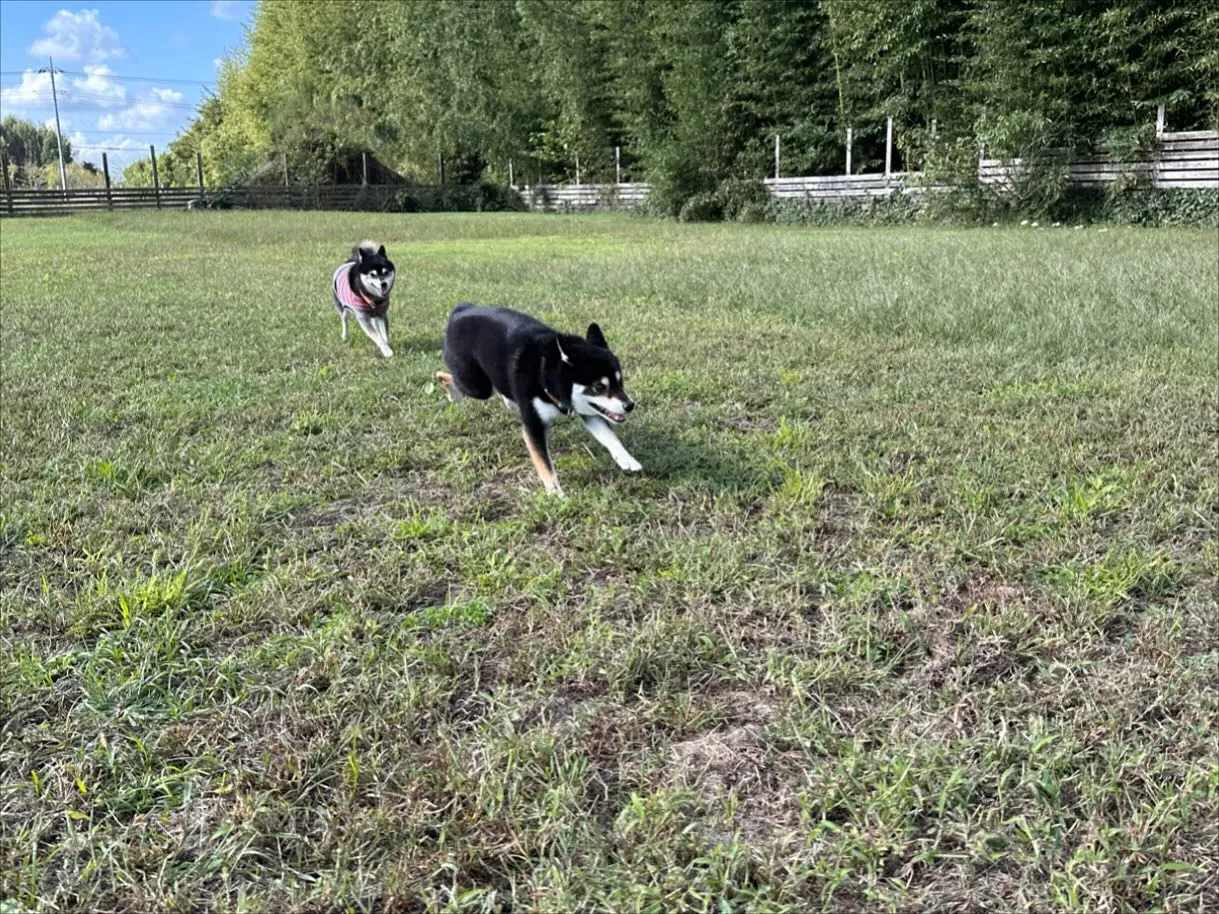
x=547 y=412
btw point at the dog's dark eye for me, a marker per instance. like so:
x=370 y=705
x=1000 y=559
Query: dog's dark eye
x=598 y=388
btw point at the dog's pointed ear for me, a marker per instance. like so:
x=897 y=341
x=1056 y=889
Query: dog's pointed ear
x=563 y=357
x=596 y=337
x=359 y=252
x=558 y=376
x=381 y=251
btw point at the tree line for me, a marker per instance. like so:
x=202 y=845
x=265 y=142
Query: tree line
x=692 y=91
x=31 y=156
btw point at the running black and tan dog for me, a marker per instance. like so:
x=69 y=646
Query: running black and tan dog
x=540 y=373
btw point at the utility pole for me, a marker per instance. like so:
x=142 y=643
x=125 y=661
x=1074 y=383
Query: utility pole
x=63 y=175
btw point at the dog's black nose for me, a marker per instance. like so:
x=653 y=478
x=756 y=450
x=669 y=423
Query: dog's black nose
x=628 y=405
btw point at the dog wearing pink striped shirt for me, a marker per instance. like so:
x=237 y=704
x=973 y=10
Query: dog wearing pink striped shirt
x=361 y=288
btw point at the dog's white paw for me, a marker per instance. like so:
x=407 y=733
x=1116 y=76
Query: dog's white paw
x=386 y=351
x=630 y=464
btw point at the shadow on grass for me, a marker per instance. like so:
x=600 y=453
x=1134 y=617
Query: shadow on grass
x=717 y=465
x=431 y=344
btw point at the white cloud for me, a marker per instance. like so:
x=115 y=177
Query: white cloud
x=79 y=36
x=157 y=111
x=98 y=87
x=142 y=116
x=95 y=90
x=232 y=10
x=34 y=91
x=120 y=151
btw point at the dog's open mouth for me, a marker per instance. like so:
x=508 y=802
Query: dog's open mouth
x=613 y=415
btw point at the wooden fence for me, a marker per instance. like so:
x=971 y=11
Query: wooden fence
x=1187 y=160
x=839 y=187
x=551 y=198
x=1179 y=160
x=28 y=202
x=322 y=197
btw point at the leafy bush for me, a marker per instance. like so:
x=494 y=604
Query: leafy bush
x=1175 y=206
x=1131 y=205
x=734 y=200
x=702 y=207
x=489 y=197
x=481 y=197
x=1129 y=144
x=676 y=176
x=752 y=212
x=735 y=194
x=895 y=209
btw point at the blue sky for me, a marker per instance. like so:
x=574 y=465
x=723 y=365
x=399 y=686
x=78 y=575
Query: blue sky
x=134 y=70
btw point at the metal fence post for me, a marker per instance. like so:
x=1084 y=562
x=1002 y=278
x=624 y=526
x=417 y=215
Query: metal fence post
x=106 y=178
x=8 y=189
x=156 y=180
x=888 y=146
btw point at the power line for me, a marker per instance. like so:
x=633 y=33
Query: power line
x=119 y=78
x=133 y=132
x=42 y=95
x=98 y=97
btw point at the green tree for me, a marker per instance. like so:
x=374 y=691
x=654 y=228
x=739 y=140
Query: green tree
x=694 y=91
x=28 y=148
x=783 y=83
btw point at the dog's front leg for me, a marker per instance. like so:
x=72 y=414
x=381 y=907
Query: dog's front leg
x=372 y=329
x=535 y=439
x=343 y=320
x=383 y=328
x=600 y=429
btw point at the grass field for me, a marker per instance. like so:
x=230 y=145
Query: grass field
x=913 y=607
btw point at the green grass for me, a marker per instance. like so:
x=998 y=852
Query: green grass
x=913 y=607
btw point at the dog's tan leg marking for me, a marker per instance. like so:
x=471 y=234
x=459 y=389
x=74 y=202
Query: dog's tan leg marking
x=446 y=381
x=542 y=465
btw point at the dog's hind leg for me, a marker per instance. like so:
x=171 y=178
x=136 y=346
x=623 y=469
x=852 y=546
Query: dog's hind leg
x=446 y=381
x=535 y=439
x=338 y=306
x=600 y=429
x=464 y=379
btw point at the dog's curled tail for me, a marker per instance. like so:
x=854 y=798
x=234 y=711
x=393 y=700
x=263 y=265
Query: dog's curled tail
x=368 y=248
